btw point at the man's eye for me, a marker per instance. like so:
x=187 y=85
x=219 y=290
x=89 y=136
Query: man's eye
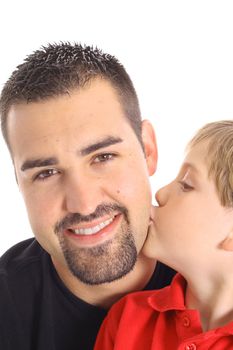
x=185 y=186
x=103 y=157
x=43 y=175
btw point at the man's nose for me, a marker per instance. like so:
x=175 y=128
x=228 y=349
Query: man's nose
x=162 y=195
x=82 y=194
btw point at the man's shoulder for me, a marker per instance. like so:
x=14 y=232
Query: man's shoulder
x=20 y=256
x=24 y=269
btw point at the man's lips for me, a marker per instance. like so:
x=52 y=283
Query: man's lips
x=92 y=228
x=95 y=233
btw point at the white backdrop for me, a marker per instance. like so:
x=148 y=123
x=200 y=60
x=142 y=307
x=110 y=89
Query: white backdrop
x=179 y=54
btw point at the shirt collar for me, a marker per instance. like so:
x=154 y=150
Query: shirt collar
x=170 y=297
x=173 y=298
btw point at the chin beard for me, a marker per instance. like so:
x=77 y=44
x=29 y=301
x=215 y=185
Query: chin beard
x=104 y=263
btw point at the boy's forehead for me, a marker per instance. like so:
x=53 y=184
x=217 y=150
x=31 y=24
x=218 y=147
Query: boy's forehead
x=197 y=150
x=196 y=157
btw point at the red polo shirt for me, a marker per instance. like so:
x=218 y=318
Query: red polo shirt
x=159 y=320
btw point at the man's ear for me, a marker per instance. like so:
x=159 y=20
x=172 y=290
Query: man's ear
x=150 y=146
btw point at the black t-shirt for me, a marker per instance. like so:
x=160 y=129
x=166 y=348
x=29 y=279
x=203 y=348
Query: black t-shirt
x=37 y=311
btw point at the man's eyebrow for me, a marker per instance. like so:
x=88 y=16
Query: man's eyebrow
x=36 y=163
x=42 y=162
x=108 y=141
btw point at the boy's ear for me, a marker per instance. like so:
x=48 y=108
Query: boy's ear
x=150 y=146
x=227 y=243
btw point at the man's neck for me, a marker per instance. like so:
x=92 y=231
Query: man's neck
x=104 y=295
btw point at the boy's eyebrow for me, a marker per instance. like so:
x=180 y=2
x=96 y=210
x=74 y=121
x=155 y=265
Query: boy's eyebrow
x=108 y=141
x=191 y=166
x=42 y=162
x=36 y=163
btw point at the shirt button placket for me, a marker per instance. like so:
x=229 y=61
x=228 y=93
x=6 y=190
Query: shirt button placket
x=186 y=321
x=190 y=347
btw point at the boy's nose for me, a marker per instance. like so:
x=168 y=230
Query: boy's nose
x=161 y=195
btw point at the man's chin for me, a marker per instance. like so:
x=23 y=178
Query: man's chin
x=104 y=263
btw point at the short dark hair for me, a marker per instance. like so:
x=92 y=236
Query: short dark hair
x=57 y=69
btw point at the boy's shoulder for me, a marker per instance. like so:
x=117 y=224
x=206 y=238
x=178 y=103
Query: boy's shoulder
x=135 y=301
x=152 y=300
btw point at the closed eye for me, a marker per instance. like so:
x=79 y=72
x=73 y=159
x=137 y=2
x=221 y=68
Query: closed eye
x=45 y=174
x=185 y=186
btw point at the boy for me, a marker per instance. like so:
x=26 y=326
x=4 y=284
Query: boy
x=192 y=232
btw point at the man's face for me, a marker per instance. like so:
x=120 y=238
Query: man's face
x=84 y=178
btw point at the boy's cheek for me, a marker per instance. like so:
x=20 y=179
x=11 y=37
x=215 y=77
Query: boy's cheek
x=148 y=248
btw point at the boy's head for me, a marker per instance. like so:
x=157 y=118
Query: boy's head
x=59 y=69
x=193 y=223
x=218 y=137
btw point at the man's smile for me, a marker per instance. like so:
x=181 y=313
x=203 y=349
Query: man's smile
x=94 y=228
x=93 y=233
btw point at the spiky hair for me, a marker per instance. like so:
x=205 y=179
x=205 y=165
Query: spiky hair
x=57 y=69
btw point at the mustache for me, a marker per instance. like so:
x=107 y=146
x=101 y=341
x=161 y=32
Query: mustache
x=77 y=218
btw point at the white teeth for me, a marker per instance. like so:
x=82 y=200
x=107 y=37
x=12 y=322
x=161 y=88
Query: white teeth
x=92 y=230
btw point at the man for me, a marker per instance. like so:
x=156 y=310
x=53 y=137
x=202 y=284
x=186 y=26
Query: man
x=82 y=156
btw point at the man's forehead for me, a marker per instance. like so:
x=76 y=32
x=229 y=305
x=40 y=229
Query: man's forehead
x=75 y=121
x=42 y=120
x=98 y=111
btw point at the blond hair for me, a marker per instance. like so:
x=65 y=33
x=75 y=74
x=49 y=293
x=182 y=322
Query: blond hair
x=219 y=154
